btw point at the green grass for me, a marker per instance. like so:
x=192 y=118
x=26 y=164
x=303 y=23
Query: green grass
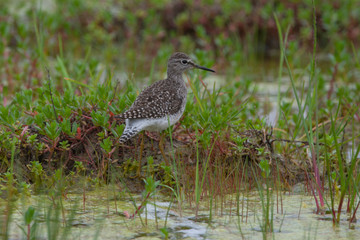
x=65 y=74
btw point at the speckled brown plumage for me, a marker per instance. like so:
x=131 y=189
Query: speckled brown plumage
x=157 y=100
x=162 y=103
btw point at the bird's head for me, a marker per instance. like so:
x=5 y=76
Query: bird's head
x=180 y=62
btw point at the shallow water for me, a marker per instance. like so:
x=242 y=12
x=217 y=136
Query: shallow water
x=104 y=217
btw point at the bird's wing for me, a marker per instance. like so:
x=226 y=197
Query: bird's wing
x=155 y=101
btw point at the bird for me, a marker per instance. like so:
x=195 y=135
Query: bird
x=161 y=104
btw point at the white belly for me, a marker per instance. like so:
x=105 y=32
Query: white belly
x=153 y=125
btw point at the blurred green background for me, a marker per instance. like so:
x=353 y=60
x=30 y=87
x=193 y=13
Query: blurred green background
x=78 y=38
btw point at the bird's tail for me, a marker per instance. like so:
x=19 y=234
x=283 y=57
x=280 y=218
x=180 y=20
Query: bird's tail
x=128 y=133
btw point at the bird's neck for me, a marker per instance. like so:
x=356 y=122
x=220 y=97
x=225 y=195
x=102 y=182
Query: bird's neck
x=175 y=76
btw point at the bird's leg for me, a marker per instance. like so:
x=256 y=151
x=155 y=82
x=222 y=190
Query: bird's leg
x=161 y=147
x=138 y=173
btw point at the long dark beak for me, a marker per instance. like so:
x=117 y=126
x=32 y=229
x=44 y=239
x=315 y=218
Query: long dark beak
x=203 y=68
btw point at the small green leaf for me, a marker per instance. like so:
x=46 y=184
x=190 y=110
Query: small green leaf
x=29 y=215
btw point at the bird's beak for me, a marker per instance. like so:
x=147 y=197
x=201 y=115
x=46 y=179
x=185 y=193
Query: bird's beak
x=203 y=68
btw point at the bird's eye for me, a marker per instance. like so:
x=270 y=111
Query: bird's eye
x=184 y=62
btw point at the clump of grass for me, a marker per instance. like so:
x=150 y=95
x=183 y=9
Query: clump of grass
x=54 y=131
x=267 y=201
x=325 y=143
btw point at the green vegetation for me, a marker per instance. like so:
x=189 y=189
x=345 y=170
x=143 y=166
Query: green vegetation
x=68 y=67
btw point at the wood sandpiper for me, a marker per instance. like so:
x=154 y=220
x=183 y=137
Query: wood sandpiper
x=162 y=103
